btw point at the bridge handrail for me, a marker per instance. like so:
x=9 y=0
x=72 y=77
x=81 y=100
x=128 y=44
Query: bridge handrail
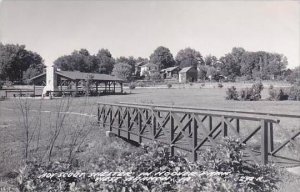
x=217 y=110
x=190 y=111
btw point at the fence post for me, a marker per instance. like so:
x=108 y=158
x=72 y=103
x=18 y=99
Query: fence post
x=195 y=134
x=237 y=125
x=190 y=125
x=98 y=114
x=103 y=116
x=264 y=142
x=110 y=118
x=153 y=124
x=128 y=123
x=210 y=123
x=271 y=137
x=225 y=132
x=119 y=120
x=140 y=125
x=171 y=134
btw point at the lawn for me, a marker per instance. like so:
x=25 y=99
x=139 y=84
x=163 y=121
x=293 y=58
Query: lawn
x=42 y=115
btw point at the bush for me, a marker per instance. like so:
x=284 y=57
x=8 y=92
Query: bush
x=253 y=93
x=132 y=86
x=277 y=94
x=219 y=169
x=220 y=85
x=232 y=94
x=141 y=84
x=294 y=93
x=169 y=85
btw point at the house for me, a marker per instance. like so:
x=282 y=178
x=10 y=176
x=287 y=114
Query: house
x=148 y=68
x=137 y=69
x=188 y=74
x=171 y=72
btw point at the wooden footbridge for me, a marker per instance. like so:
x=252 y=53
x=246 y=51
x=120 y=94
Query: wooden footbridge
x=193 y=129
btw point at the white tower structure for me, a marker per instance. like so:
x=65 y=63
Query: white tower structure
x=51 y=80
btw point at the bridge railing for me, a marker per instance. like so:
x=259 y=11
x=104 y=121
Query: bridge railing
x=192 y=129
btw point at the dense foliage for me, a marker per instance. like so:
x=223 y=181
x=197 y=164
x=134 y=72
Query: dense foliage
x=189 y=57
x=122 y=70
x=162 y=57
x=152 y=168
x=246 y=94
x=17 y=63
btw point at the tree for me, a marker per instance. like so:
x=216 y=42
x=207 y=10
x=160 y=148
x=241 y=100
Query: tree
x=15 y=60
x=78 y=61
x=210 y=60
x=162 y=57
x=189 y=57
x=105 y=61
x=155 y=76
x=229 y=67
x=202 y=72
x=122 y=70
x=129 y=60
x=262 y=64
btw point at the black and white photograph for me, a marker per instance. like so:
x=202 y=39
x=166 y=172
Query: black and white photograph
x=149 y=96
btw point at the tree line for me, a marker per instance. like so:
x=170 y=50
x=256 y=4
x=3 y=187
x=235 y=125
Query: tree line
x=18 y=63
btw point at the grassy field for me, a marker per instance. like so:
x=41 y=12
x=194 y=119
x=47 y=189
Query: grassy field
x=41 y=115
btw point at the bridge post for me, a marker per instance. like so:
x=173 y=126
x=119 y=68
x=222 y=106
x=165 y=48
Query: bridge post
x=210 y=123
x=264 y=142
x=171 y=135
x=238 y=125
x=195 y=134
x=271 y=137
x=128 y=124
x=140 y=121
x=225 y=129
x=110 y=119
x=119 y=120
x=98 y=115
x=190 y=125
x=103 y=116
x=153 y=124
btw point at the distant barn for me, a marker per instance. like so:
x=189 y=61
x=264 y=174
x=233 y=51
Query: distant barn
x=171 y=72
x=188 y=74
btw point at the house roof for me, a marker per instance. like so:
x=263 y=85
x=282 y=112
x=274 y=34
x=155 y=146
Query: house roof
x=149 y=65
x=140 y=63
x=169 y=69
x=77 y=75
x=185 y=69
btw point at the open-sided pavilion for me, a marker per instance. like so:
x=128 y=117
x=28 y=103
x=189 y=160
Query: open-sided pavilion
x=69 y=82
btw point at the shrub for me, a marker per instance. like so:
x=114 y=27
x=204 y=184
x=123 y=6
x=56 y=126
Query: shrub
x=232 y=93
x=277 y=94
x=132 y=86
x=220 y=85
x=141 y=84
x=169 y=85
x=294 y=93
x=8 y=84
x=219 y=169
x=253 y=93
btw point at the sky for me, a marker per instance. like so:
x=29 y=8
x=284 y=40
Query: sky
x=137 y=28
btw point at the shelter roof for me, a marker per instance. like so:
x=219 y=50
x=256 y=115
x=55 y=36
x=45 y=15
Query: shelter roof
x=77 y=75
